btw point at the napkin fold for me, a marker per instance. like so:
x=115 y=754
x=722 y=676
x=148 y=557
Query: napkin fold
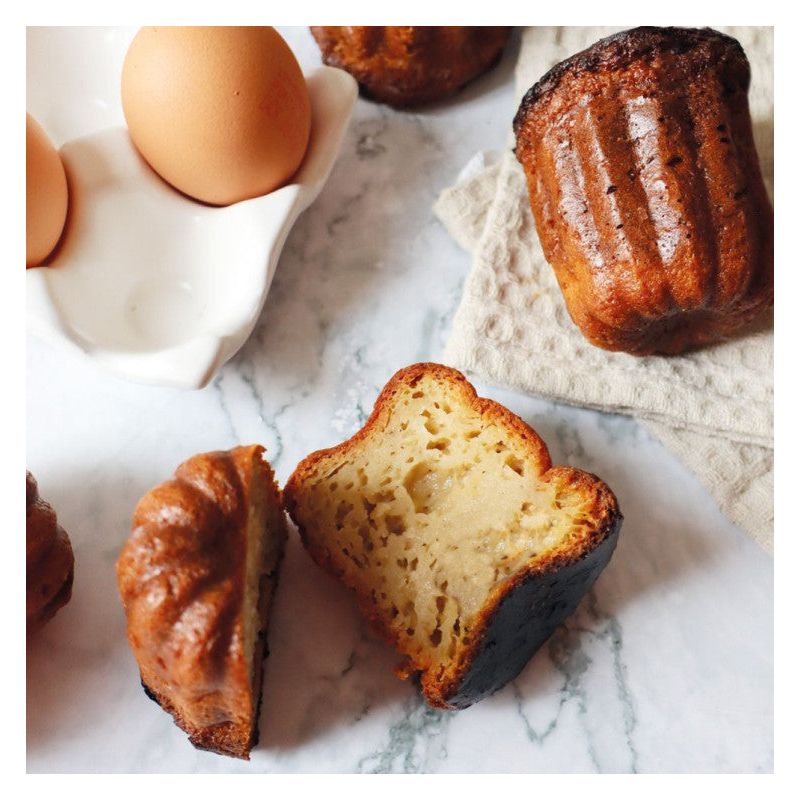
x=712 y=408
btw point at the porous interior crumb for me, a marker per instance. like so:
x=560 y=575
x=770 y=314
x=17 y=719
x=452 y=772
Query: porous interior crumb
x=431 y=511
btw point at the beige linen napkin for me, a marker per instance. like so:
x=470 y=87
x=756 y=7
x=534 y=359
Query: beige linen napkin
x=713 y=408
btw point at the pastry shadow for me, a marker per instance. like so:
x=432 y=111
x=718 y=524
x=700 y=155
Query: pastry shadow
x=325 y=669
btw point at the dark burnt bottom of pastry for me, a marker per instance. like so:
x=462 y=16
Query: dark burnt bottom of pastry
x=524 y=621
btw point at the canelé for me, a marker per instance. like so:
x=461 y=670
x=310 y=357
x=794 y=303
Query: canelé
x=196 y=579
x=411 y=65
x=464 y=545
x=646 y=189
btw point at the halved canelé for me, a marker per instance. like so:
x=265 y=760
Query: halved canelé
x=464 y=546
x=196 y=579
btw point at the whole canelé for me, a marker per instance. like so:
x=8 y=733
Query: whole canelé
x=646 y=189
x=410 y=65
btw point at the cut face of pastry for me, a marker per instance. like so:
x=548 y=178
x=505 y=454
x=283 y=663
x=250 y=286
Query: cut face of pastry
x=196 y=579
x=50 y=564
x=464 y=546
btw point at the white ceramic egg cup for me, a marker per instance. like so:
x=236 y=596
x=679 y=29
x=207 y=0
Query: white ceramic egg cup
x=159 y=288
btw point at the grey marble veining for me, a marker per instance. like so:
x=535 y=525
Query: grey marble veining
x=666 y=665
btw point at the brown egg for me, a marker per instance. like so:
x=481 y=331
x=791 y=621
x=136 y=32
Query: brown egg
x=222 y=114
x=45 y=194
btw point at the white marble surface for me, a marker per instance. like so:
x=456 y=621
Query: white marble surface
x=666 y=666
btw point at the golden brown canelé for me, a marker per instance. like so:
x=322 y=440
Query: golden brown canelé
x=49 y=559
x=196 y=579
x=646 y=189
x=411 y=65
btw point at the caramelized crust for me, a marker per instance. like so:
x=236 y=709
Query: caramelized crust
x=646 y=189
x=184 y=582
x=50 y=563
x=464 y=546
x=411 y=65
